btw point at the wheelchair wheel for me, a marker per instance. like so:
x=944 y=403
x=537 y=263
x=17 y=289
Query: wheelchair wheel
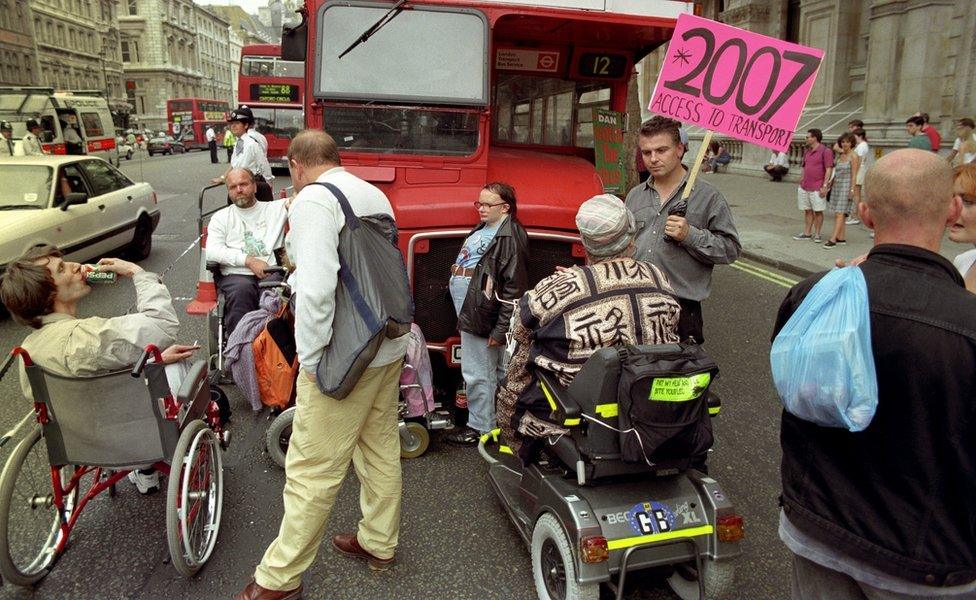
x=415 y=442
x=553 y=565
x=30 y=531
x=278 y=436
x=194 y=498
x=719 y=579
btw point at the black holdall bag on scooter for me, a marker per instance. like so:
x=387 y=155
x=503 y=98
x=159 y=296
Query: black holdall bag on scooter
x=663 y=402
x=373 y=298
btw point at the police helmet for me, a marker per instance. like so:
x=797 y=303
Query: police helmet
x=6 y=126
x=242 y=113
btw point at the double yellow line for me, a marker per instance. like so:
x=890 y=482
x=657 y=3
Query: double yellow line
x=769 y=276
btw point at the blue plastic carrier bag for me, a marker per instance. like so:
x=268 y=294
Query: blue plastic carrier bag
x=822 y=363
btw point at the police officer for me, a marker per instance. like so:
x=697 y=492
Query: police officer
x=32 y=145
x=250 y=152
x=6 y=144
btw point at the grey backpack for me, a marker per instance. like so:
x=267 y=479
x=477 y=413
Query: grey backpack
x=373 y=298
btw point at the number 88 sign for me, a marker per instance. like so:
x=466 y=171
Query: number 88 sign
x=745 y=85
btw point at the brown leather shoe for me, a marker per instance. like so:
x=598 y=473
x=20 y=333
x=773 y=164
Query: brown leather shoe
x=347 y=544
x=253 y=591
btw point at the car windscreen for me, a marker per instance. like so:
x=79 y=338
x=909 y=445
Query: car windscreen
x=25 y=186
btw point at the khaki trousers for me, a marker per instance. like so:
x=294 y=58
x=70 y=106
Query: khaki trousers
x=327 y=435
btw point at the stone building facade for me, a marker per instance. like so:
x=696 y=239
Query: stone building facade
x=18 y=60
x=76 y=45
x=884 y=61
x=172 y=49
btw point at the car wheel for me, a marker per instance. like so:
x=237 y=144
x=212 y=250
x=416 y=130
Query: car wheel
x=141 y=244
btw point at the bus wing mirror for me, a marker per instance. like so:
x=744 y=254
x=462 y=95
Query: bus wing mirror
x=294 y=40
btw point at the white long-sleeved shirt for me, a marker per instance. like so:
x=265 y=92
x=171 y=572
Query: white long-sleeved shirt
x=251 y=152
x=211 y=135
x=235 y=233
x=315 y=220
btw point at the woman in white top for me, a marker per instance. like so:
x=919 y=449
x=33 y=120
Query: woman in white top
x=965 y=142
x=862 y=150
x=963 y=230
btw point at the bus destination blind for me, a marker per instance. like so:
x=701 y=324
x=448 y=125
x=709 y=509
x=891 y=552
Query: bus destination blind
x=274 y=92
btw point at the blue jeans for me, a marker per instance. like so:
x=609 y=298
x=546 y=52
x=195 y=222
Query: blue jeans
x=482 y=367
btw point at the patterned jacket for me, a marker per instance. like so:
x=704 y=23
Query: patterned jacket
x=564 y=319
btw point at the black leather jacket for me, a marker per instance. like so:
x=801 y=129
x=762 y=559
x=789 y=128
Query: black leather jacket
x=900 y=495
x=502 y=268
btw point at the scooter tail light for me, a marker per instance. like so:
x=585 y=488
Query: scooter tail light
x=594 y=549
x=730 y=529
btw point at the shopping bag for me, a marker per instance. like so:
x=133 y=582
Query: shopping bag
x=822 y=362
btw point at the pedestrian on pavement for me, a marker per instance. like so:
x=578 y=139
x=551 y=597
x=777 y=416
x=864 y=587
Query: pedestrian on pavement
x=778 y=166
x=935 y=140
x=811 y=196
x=863 y=151
x=917 y=139
x=717 y=156
x=229 y=141
x=6 y=143
x=686 y=239
x=328 y=434
x=576 y=311
x=30 y=142
x=870 y=514
x=212 y=144
x=493 y=257
x=963 y=231
x=965 y=142
x=250 y=152
x=842 y=188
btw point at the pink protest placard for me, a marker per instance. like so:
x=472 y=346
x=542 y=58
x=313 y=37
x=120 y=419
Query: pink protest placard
x=745 y=85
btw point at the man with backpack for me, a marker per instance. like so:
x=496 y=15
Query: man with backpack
x=329 y=433
x=888 y=511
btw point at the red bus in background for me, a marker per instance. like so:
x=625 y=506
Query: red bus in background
x=274 y=89
x=187 y=119
x=449 y=95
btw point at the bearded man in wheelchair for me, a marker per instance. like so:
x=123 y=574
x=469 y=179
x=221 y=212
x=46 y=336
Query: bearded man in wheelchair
x=612 y=301
x=43 y=291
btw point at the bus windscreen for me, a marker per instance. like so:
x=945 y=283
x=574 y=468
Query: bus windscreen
x=402 y=61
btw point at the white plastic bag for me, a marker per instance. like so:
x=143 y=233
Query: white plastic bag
x=822 y=362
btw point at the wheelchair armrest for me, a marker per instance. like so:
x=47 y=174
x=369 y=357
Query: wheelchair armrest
x=214 y=268
x=276 y=269
x=564 y=408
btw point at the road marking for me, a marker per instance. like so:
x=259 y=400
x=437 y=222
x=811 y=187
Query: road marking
x=769 y=276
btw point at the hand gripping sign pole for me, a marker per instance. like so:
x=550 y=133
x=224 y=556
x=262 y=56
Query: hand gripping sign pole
x=741 y=84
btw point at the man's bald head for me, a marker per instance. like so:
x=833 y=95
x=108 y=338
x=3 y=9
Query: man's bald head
x=909 y=187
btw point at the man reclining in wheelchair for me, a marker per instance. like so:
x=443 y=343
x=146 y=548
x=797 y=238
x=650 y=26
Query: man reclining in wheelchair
x=241 y=239
x=613 y=301
x=42 y=290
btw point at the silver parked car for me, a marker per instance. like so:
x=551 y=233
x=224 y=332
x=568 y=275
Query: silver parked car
x=83 y=205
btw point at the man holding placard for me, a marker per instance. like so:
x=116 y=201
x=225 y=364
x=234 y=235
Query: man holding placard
x=685 y=233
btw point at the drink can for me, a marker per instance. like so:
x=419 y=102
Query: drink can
x=93 y=275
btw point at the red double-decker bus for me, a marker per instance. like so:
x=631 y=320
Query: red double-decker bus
x=274 y=89
x=432 y=99
x=188 y=118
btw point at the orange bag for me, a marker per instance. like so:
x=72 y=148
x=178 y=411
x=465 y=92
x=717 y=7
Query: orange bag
x=276 y=360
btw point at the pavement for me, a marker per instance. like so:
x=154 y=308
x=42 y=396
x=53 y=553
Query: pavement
x=767 y=218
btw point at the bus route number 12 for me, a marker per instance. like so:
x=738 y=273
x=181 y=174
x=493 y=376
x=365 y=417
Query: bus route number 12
x=711 y=58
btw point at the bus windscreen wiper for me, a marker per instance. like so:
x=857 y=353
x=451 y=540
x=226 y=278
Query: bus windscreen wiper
x=391 y=14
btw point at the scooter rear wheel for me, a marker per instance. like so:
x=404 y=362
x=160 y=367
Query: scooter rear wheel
x=553 y=565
